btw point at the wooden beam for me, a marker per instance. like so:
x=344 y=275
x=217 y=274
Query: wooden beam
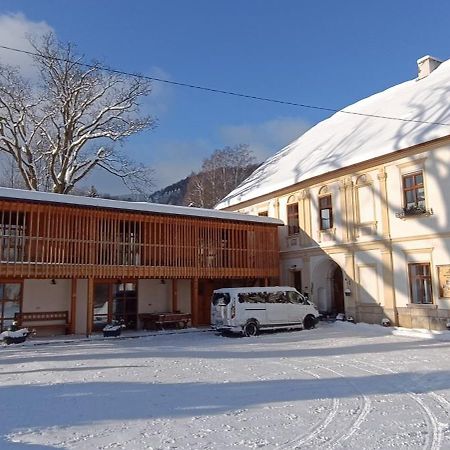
x=73 y=307
x=194 y=301
x=174 y=295
x=90 y=306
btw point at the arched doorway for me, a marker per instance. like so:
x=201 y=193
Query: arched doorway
x=327 y=283
x=337 y=279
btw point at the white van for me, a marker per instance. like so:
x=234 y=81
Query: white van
x=247 y=310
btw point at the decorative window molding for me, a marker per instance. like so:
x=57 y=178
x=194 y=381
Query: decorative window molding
x=365 y=207
x=413 y=190
x=327 y=235
x=367 y=229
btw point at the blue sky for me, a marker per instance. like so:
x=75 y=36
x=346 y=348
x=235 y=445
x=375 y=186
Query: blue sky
x=325 y=53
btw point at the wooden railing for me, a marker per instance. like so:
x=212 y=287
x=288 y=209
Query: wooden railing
x=51 y=241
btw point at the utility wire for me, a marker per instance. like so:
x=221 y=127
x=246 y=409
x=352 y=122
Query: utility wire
x=218 y=91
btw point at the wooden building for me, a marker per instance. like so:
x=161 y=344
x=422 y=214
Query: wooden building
x=79 y=263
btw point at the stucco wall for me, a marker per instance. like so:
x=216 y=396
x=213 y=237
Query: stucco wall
x=42 y=295
x=184 y=296
x=153 y=296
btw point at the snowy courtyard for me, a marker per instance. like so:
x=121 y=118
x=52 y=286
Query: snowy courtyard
x=337 y=386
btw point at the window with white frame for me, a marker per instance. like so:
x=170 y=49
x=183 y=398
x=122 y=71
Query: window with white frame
x=413 y=193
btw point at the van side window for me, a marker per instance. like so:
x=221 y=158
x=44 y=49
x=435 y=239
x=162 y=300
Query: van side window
x=277 y=297
x=295 y=297
x=252 y=297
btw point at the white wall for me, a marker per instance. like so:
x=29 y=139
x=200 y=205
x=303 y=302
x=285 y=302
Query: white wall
x=42 y=295
x=154 y=296
x=184 y=296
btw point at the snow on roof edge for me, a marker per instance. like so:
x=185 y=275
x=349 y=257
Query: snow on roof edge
x=67 y=199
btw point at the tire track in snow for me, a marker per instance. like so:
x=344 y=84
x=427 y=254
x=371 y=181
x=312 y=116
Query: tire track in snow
x=433 y=423
x=303 y=439
x=318 y=428
x=365 y=410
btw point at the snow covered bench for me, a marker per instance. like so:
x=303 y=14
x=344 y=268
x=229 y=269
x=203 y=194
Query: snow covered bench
x=47 y=323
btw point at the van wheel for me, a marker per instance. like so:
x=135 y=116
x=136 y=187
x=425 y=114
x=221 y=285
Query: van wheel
x=250 y=329
x=309 y=322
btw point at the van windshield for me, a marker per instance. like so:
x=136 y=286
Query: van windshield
x=221 y=299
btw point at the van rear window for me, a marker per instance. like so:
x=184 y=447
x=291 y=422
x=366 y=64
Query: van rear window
x=221 y=299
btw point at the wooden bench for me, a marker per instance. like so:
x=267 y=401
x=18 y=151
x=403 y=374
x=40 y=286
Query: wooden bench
x=49 y=323
x=152 y=321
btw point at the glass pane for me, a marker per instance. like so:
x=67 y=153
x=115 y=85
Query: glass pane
x=415 y=292
x=294 y=297
x=12 y=291
x=118 y=306
x=420 y=192
x=410 y=198
x=1 y=291
x=10 y=308
x=413 y=270
x=221 y=299
x=131 y=306
x=419 y=179
x=427 y=291
x=408 y=181
x=7 y=323
x=101 y=296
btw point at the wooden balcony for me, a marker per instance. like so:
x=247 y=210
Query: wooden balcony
x=40 y=239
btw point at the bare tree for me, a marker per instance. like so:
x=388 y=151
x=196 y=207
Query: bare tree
x=223 y=171
x=58 y=131
x=9 y=176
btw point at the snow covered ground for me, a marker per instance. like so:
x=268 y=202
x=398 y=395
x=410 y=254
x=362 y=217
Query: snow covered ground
x=338 y=386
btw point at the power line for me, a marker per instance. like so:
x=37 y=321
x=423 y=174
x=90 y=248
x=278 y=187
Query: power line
x=219 y=91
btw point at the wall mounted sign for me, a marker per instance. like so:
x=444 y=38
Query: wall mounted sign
x=444 y=281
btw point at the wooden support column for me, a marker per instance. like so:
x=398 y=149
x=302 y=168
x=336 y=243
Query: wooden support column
x=73 y=307
x=174 y=295
x=90 y=306
x=194 y=301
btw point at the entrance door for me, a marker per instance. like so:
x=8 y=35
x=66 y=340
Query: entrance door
x=298 y=280
x=338 y=291
x=115 y=301
x=205 y=290
x=10 y=303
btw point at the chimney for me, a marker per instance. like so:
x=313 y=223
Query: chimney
x=426 y=65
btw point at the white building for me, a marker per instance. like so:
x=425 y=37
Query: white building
x=366 y=204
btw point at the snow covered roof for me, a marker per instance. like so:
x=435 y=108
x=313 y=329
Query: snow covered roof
x=343 y=139
x=46 y=197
